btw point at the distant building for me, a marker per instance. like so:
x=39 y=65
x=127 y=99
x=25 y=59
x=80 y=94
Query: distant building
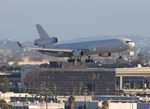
x=133 y=78
x=66 y=81
x=38 y=105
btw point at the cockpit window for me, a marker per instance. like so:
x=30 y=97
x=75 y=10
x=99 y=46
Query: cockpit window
x=128 y=41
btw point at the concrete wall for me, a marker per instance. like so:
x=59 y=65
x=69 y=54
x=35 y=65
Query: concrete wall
x=120 y=105
x=143 y=106
x=50 y=106
x=123 y=106
x=82 y=104
x=6 y=96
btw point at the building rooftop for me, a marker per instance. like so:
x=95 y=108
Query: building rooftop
x=143 y=71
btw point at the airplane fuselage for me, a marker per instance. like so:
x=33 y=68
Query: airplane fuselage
x=94 y=47
x=51 y=47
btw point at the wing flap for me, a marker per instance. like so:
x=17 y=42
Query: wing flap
x=51 y=49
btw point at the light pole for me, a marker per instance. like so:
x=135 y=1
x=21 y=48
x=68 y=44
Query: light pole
x=85 y=94
x=14 y=101
x=55 y=88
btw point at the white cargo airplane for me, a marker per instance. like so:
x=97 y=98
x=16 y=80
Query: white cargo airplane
x=48 y=45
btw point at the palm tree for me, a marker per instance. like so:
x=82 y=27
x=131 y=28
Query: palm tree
x=4 y=105
x=80 y=85
x=105 y=105
x=5 y=84
x=31 y=81
x=71 y=100
x=46 y=93
x=28 y=81
x=93 y=78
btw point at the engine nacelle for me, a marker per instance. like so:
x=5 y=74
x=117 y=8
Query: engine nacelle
x=105 y=54
x=78 y=53
x=54 y=40
x=45 y=42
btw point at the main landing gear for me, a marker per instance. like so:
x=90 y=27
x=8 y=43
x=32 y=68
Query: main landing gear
x=120 y=57
x=89 y=59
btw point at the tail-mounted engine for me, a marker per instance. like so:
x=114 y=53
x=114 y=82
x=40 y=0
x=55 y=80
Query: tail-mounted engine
x=46 y=42
x=54 y=40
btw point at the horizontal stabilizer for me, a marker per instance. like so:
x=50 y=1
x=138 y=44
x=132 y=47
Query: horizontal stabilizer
x=19 y=44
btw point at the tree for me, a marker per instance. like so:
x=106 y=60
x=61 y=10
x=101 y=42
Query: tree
x=93 y=78
x=4 y=105
x=80 y=85
x=105 y=105
x=46 y=93
x=71 y=100
x=31 y=81
x=5 y=84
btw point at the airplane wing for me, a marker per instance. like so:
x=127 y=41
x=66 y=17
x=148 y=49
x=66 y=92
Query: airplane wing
x=51 y=49
x=45 y=49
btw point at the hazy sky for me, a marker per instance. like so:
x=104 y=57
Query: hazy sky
x=71 y=19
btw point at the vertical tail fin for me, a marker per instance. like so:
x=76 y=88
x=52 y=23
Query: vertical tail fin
x=44 y=39
x=42 y=33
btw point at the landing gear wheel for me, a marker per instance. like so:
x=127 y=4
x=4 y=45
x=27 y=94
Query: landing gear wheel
x=71 y=60
x=120 y=57
x=89 y=57
x=78 y=60
x=89 y=60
